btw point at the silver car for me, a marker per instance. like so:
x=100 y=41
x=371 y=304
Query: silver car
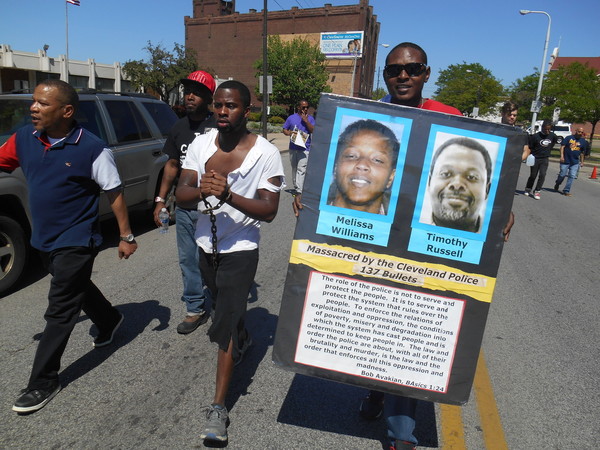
x=134 y=126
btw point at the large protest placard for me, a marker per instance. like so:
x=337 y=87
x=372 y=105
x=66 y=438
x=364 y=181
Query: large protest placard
x=396 y=251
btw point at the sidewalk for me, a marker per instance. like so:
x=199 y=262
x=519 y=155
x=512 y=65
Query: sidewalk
x=279 y=140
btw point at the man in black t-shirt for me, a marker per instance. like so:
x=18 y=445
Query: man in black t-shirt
x=198 y=90
x=540 y=146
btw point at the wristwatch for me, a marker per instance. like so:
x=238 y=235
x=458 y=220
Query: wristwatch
x=129 y=238
x=159 y=199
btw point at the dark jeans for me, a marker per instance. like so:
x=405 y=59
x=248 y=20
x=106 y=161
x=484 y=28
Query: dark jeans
x=71 y=290
x=540 y=167
x=229 y=286
x=400 y=414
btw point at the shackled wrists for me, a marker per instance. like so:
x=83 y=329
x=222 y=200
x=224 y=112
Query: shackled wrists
x=229 y=195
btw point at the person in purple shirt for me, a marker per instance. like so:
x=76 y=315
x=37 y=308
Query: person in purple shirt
x=299 y=126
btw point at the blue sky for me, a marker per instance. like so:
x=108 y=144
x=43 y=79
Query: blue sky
x=489 y=32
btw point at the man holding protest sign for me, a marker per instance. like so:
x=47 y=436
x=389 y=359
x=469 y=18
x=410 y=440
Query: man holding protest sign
x=405 y=73
x=373 y=333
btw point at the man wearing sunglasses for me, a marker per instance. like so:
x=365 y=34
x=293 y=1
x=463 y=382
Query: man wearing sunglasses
x=299 y=126
x=406 y=72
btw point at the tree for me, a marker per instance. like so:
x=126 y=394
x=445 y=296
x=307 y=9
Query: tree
x=522 y=93
x=378 y=93
x=298 y=69
x=576 y=91
x=162 y=71
x=465 y=86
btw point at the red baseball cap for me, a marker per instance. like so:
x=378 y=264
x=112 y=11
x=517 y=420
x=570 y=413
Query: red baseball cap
x=203 y=78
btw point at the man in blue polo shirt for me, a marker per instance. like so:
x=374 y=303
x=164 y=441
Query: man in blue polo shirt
x=66 y=166
x=572 y=153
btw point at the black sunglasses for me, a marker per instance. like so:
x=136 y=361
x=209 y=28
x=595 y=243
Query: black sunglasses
x=411 y=69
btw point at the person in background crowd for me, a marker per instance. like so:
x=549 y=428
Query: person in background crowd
x=509 y=113
x=299 y=126
x=540 y=146
x=198 y=89
x=572 y=152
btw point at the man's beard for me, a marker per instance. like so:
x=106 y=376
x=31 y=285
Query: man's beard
x=455 y=218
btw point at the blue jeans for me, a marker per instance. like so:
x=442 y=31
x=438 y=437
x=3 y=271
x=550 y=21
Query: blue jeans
x=400 y=417
x=569 y=171
x=298 y=160
x=193 y=285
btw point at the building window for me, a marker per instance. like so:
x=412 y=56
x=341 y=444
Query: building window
x=105 y=84
x=78 y=82
x=126 y=86
x=41 y=76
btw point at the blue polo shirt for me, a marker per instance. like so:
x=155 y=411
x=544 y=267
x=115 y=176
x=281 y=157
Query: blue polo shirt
x=64 y=179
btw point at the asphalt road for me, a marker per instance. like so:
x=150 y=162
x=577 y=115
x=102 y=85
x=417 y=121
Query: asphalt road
x=148 y=389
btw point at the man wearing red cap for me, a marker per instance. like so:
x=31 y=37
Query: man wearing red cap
x=198 y=89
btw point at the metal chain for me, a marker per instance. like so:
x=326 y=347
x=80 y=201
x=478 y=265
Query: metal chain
x=213 y=224
x=213 y=229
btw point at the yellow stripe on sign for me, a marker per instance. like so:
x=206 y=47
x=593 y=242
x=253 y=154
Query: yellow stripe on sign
x=493 y=434
x=453 y=435
x=327 y=258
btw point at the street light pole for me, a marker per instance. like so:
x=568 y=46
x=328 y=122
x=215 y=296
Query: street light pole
x=355 y=52
x=265 y=93
x=379 y=67
x=475 y=112
x=536 y=107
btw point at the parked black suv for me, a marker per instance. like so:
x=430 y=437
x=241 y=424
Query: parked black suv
x=134 y=126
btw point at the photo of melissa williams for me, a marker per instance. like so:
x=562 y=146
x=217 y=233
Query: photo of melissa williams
x=365 y=167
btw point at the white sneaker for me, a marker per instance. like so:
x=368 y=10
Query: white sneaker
x=536 y=195
x=527 y=193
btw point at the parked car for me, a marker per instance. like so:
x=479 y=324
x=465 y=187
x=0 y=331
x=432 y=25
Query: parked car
x=134 y=126
x=560 y=128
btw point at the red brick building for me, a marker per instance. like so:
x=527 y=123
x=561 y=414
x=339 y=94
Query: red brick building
x=229 y=42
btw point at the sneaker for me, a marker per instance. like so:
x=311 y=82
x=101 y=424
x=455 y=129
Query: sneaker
x=402 y=445
x=371 y=406
x=556 y=186
x=527 y=193
x=190 y=323
x=245 y=346
x=568 y=194
x=536 y=195
x=106 y=337
x=31 y=400
x=217 y=421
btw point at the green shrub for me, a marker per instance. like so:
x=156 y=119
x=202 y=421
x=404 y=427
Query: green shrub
x=277 y=110
x=254 y=116
x=276 y=120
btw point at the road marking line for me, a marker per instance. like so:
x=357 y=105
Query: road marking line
x=453 y=435
x=493 y=434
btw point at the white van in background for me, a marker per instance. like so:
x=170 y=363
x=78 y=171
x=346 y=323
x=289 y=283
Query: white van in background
x=560 y=128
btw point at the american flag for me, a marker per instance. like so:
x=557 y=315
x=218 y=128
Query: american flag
x=73 y=2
